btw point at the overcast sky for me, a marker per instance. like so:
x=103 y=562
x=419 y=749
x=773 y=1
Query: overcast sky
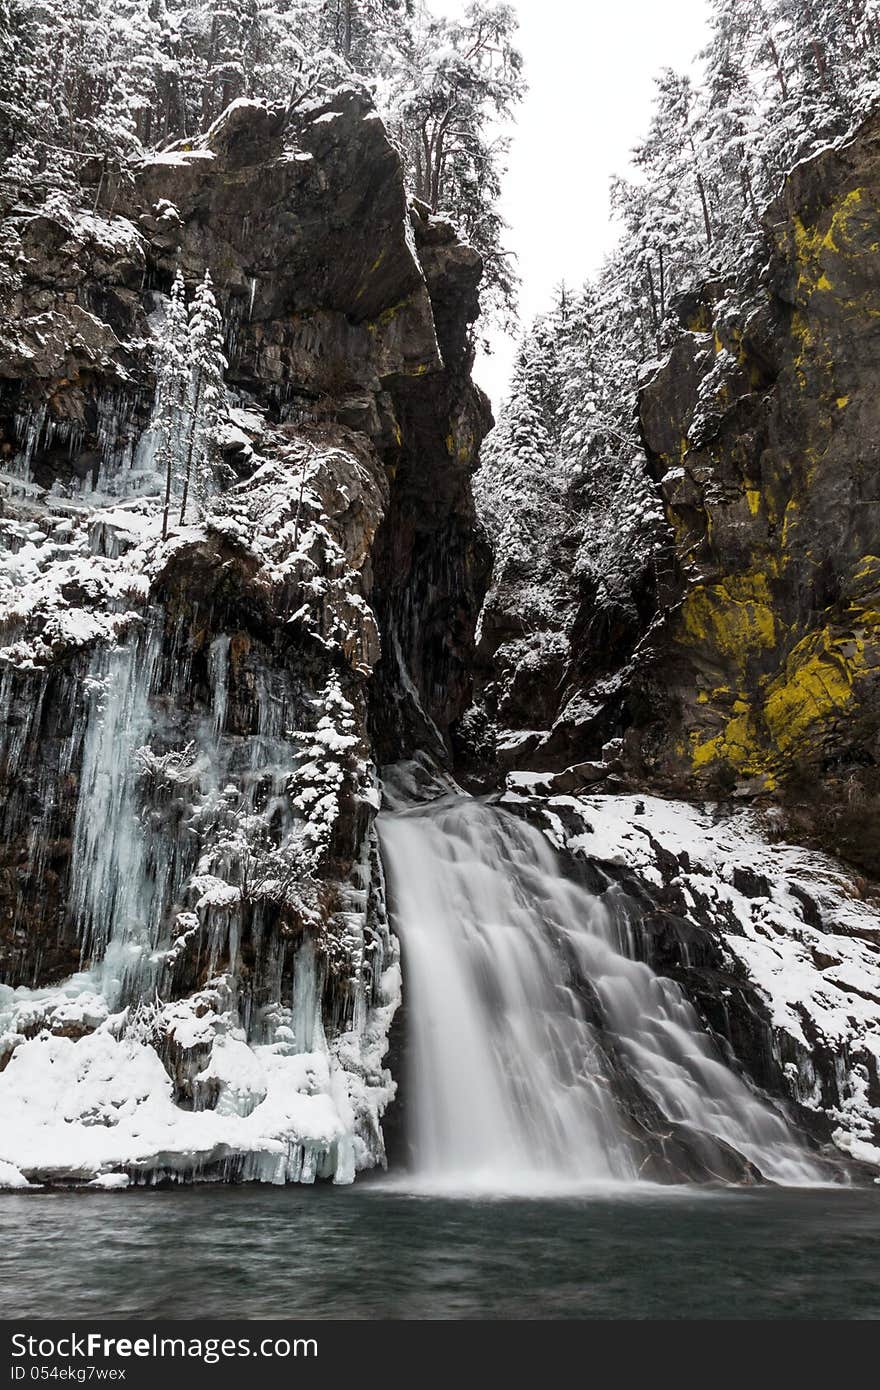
x=590 y=66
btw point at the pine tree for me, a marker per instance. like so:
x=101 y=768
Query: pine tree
x=520 y=483
x=366 y=32
x=15 y=56
x=450 y=93
x=207 y=394
x=172 y=381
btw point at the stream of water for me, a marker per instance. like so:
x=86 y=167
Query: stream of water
x=518 y=982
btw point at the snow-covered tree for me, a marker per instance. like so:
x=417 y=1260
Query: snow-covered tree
x=366 y=32
x=332 y=764
x=16 y=57
x=520 y=483
x=172 y=382
x=459 y=84
x=206 y=396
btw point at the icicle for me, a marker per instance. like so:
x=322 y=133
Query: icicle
x=306 y=1020
x=118 y=881
x=218 y=661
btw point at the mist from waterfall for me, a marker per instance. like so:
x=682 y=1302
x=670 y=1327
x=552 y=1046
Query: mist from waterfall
x=525 y=1008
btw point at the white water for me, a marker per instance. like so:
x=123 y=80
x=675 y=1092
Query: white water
x=508 y=1084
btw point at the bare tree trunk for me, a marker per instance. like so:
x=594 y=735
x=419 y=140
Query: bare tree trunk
x=780 y=76
x=701 y=187
x=170 y=439
x=425 y=168
x=299 y=502
x=168 y=475
x=100 y=184
x=208 y=86
x=653 y=296
x=822 y=66
x=750 y=195
x=436 y=173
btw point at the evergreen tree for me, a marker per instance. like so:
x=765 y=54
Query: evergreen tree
x=172 y=382
x=460 y=80
x=520 y=484
x=367 y=33
x=207 y=394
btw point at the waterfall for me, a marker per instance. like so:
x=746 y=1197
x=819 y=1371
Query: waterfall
x=537 y=1044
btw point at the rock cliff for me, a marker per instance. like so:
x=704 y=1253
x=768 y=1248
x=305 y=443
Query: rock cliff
x=745 y=671
x=762 y=433
x=746 y=663
x=188 y=769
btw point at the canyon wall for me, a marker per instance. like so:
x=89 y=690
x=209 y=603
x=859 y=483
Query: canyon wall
x=188 y=771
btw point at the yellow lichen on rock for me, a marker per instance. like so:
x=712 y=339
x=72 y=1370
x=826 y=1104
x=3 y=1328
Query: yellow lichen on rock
x=864 y=592
x=735 y=616
x=790 y=712
x=739 y=745
x=817 y=683
x=812 y=246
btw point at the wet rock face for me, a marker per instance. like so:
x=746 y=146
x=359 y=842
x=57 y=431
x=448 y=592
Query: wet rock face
x=432 y=565
x=762 y=433
x=37 y=940
x=302 y=220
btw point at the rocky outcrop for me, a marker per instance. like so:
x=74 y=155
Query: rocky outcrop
x=225 y=687
x=432 y=565
x=747 y=662
x=765 y=676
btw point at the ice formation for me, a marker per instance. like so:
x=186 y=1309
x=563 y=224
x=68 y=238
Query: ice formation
x=171 y=1054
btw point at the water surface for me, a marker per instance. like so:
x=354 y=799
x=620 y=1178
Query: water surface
x=373 y=1252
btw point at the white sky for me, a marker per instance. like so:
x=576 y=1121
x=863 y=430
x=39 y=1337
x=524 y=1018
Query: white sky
x=590 y=66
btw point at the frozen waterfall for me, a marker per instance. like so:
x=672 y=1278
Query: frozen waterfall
x=195 y=1041
x=527 y=1014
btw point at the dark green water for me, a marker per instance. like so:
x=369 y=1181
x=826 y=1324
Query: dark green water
x=367 y=1253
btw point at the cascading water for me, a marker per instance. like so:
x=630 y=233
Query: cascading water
x=526 y=1009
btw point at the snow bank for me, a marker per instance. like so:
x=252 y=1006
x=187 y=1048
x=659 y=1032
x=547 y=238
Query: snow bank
x=101 y=1108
